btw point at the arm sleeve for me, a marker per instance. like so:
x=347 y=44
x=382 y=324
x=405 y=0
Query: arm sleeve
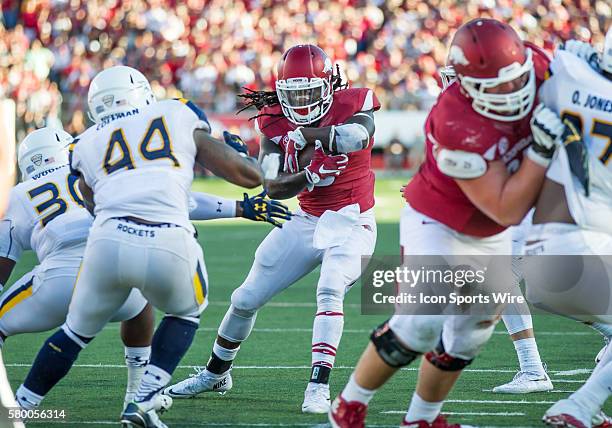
x=203 y=206
x=14 y=233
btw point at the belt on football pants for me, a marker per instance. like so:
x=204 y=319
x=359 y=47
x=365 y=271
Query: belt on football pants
x=143 y=223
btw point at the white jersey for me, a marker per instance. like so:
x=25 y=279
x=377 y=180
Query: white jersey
x=45 y=215
x=584 y=96
x=140 y=163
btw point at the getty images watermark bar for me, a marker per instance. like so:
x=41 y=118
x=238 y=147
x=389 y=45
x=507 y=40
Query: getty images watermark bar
x=486 y=285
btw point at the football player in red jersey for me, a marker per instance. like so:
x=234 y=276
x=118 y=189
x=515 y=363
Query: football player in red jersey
x=474 y=183
x=311 y=119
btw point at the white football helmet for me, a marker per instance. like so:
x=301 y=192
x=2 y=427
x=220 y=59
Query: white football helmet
x=606 y=56
x=42 y=149
x=116 y=90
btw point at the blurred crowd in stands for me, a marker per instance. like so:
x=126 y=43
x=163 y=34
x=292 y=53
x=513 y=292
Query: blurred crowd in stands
x=207 y=50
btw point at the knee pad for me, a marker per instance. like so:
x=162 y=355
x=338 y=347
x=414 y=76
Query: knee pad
x=465 y=337
x=330 y=300
x=446 y=362
x=390 y=349
x=245 y=299
x=237 y=324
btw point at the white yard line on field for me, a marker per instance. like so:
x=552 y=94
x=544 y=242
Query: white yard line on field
x=390 y=412
x=115 y=326
x=121 y=366
x=568 y=380
x=500 y=402
x=557 y=391
x=572 y=372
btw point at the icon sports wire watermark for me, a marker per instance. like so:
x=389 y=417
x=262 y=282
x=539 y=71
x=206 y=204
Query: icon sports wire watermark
x=486 y=285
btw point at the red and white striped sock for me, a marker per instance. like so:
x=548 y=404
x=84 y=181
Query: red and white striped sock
x=326 y=335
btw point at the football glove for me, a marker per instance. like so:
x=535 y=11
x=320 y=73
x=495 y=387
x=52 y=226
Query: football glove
x=546 y=127
x=260 y=208
x=291 y=144
x=323 y=165
x=577 y=154
x=235 y=142
x=582 y=50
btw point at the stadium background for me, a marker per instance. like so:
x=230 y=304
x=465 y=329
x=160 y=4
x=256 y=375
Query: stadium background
x=206 y=51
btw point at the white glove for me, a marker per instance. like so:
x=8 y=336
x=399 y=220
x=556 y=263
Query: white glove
x=546 y=128
x=582 y=50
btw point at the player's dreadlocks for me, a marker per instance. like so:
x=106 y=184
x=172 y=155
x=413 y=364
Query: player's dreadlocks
x=261 y=99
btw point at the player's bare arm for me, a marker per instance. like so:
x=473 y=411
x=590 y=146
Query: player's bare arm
x=503 y=197
x=507 y=198
x=285 y=185
x=88 y=196
x=6 y=268
x=225 y=162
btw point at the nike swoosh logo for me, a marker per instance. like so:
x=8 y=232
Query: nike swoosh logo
x=170 y=391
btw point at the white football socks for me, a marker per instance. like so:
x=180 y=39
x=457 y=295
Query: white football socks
x=596 y=390
x=353 y=392
x=421 y=410
x=26 y=399
x=152 y=380
x=136 y=359
x=528 y=355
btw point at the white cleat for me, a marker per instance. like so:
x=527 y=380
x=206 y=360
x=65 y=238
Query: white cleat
x=524 y=383
x=601 y=420
x=143 y=414
x=316 y=398
x=198 y=382
x=567 y=414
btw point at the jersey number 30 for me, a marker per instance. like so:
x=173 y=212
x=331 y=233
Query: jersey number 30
x=118 y=155
x=54 y=205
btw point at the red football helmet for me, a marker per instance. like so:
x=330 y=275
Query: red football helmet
x=494 y=68
x=304 y=84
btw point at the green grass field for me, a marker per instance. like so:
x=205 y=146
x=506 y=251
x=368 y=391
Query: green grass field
x=273 y=366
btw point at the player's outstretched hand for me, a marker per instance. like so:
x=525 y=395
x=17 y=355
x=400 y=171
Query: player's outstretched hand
x=324 y=165
x=577 y=154
x=235 y=142
x=546 y=127
x=291 y=144
x=260 y=208
x=582 y=50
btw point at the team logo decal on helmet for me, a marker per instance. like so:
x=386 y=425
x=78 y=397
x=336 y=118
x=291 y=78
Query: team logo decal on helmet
x=36 y=159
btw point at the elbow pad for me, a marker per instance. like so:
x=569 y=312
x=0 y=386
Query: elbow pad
x=461 y=164
x=350 y=137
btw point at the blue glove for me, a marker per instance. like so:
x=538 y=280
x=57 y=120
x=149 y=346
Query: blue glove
x=259 y=208
x=235 y=142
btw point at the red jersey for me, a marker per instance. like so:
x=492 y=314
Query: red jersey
x=453 y=124
x=355 y=185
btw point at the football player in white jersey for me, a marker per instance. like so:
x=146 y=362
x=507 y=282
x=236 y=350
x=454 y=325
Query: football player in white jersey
x=136 y=167
x=46 y=215
x=572 y=215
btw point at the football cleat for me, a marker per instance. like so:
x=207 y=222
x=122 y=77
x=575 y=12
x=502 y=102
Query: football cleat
x=316 y=398
x=347 y=414
x=601 y=420
x=198 y=382
x=439 y=422
x=143 y=414
x=524 y=383
x=567 y=414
